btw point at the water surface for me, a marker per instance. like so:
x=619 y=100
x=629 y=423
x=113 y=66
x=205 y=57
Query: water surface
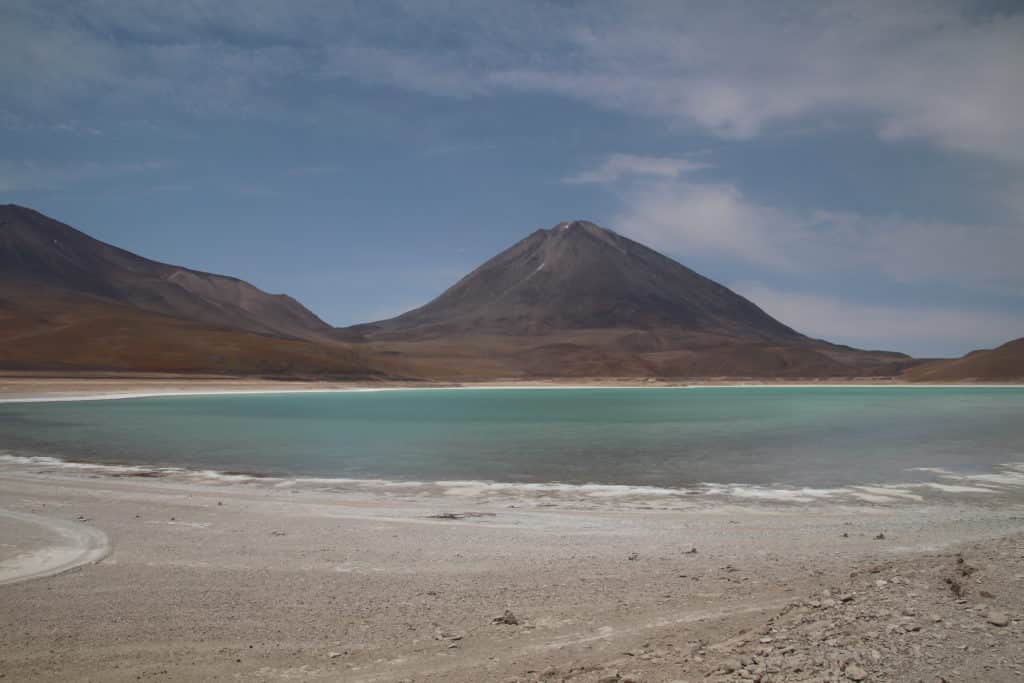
x=799 y=436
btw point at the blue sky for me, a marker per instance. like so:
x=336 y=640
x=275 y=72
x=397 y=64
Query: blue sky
x=856 y=168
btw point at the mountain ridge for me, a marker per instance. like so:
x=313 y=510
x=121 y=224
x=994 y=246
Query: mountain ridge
x=40 y=251
x=574 y=300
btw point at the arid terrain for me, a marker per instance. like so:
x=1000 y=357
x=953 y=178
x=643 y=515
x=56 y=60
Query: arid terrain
x=288 y=580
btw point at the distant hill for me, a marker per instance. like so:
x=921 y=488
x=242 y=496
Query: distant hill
x=70 y=302
x=581 y=300
x=1002 y=364
x=37 y=251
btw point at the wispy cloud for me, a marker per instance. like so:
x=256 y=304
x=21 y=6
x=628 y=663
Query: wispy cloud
x=18 y=176
x=717 y=218
x=933 y=330
x=946 y=73
x=619 y=166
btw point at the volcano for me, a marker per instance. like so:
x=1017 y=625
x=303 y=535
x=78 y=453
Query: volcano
x=581 y=300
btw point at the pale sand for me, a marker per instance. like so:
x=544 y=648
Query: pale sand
x=256 y=581
x=30 y=388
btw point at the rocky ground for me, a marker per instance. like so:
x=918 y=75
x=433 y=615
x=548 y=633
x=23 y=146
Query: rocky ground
x=267 y=582
x=937 y=618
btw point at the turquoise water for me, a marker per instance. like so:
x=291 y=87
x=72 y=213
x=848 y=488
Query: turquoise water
x=815 y=436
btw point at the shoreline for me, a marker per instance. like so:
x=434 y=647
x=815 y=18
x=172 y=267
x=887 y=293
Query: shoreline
x=229 y=580
x=33 y=391
x=1003 y=484
x=127 y=572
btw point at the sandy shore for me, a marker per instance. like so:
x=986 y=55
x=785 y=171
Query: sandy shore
x=121 y=573
x=18 y=387
x=264 y=581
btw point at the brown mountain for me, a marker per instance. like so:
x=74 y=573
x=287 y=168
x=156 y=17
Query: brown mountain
x=575 y=300
x=37 y=250
x=70 y=302
x=581 y=300
x=1002 y=364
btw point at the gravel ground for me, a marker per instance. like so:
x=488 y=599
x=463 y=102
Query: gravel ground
x=256 y=581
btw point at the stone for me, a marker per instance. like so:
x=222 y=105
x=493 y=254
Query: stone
x=855 y=673
x=448 y=635
x=730 y=665
x=997 y=618
x=507 y=618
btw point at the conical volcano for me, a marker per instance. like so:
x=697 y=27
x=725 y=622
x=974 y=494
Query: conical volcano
x=578 y=276
x=581 y=300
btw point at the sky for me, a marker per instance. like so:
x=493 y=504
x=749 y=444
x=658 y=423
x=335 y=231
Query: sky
x=854 y=168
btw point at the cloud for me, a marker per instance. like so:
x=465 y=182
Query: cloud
x=946 y=73
x=718 y=219
x=927 y=330
x=19 y=176
x=936 y=72
x=619 y=166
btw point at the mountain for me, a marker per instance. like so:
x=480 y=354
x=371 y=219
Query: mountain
x=38 y=251
x=579 y=276
x=1002 y=364
x=70 y=302
x=580 y=300
x=576 y=300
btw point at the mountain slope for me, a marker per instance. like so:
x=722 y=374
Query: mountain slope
x=37 y=251
x=1002 y=364
x=63 y=331
x=580 y=276
x=580 y=300
x=69 y=302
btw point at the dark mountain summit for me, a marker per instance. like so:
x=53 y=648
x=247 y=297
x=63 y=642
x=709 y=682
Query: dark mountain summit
x=37 y=251
x=578 y=276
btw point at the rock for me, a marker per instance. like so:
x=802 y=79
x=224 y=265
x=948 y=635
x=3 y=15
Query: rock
x=880 y=537
x=730 y=665
x=448 y=635
x=333 y=655
x=609 y=677
x=997 y=618
x=631 y=678
x=507 y=618
x=855 y=673
x=691 y=551
x=633 y=556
